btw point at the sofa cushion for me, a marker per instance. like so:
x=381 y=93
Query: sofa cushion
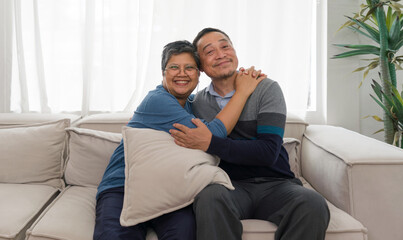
x=89 y=154
x=75 y=209
x=71 y=216
x=161 y=176
x=33 y=153
x=20 y=204
x=342 y=226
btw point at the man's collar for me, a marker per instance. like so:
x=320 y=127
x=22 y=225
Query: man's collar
x=211 y=90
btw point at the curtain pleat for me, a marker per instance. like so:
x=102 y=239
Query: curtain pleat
x=6 y=44
x=144 y=34
x=43 y=96
x=20 y=57
x=87 y=51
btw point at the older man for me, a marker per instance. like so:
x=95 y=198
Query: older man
x=252 y=155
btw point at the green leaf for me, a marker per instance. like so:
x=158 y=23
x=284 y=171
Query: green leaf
x=370 y=66
x=388 y=99
x=363 y=8
x=394 y=33
x=362 y=47
x=346 y=24
x=380 y=130
x=366 y=73
x=398 y=105
x=382 y=106
x=389 y=18
x=398 y=100
x=360 y=69
x=377 y=89
x=377 y=118
x=398 y=44
x=354 y=53
x=357 y=30
x=372 y=12
x=396 y=93
x=372 y=32
x=374 y=117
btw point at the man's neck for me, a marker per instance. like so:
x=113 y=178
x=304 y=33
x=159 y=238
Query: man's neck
x=223 y=86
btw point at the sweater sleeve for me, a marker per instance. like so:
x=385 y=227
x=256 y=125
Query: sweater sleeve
x=161 y=110
x=263 y=151
x=265 y=147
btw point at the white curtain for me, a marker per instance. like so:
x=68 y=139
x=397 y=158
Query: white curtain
x=104 y=55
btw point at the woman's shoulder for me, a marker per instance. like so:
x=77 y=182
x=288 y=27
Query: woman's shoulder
x=159 y=95
x=157 y=100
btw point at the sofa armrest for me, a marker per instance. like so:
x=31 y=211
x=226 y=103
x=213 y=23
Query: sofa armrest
x=358 y=174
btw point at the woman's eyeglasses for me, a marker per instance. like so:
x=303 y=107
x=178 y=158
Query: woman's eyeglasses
x=176 y=69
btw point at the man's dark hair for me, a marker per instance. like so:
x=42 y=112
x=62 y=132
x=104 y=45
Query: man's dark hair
x=178 y=47
x=204 y=32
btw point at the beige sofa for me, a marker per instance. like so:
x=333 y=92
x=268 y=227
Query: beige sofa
x=48 y=185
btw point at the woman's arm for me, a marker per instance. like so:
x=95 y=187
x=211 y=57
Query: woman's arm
x=245 y=84
x=160 y=110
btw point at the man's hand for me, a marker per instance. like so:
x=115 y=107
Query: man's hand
x=195 y=138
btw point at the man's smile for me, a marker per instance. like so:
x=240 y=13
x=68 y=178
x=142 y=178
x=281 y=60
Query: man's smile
x=222 y=63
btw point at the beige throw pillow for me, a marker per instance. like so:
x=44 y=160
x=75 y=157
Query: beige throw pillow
x=89 y=154
x=33 y=153
x=292 y=146
x=161 y=176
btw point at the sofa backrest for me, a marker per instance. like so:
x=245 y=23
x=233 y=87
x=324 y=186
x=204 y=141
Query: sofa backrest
x=113 y=122
x=16 y=119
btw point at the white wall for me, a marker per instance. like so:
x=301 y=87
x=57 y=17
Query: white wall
x=347 y=105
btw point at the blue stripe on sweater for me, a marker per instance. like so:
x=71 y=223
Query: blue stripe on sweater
x=271 y=129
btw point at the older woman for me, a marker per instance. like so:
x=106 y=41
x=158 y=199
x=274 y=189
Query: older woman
x=169 y=103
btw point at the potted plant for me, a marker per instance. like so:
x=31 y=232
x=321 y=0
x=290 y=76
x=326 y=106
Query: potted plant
x=381 y=21
x=395 y=112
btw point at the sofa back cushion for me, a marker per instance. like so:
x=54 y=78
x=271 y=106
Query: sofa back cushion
x=33 y=153
x=89 y=154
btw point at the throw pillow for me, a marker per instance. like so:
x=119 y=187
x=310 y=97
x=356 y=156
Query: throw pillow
x=161 y=176
x=292 y=146
x=89 y=154
x=33 y=153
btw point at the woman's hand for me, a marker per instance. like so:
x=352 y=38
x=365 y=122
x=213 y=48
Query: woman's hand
x=247 y=80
